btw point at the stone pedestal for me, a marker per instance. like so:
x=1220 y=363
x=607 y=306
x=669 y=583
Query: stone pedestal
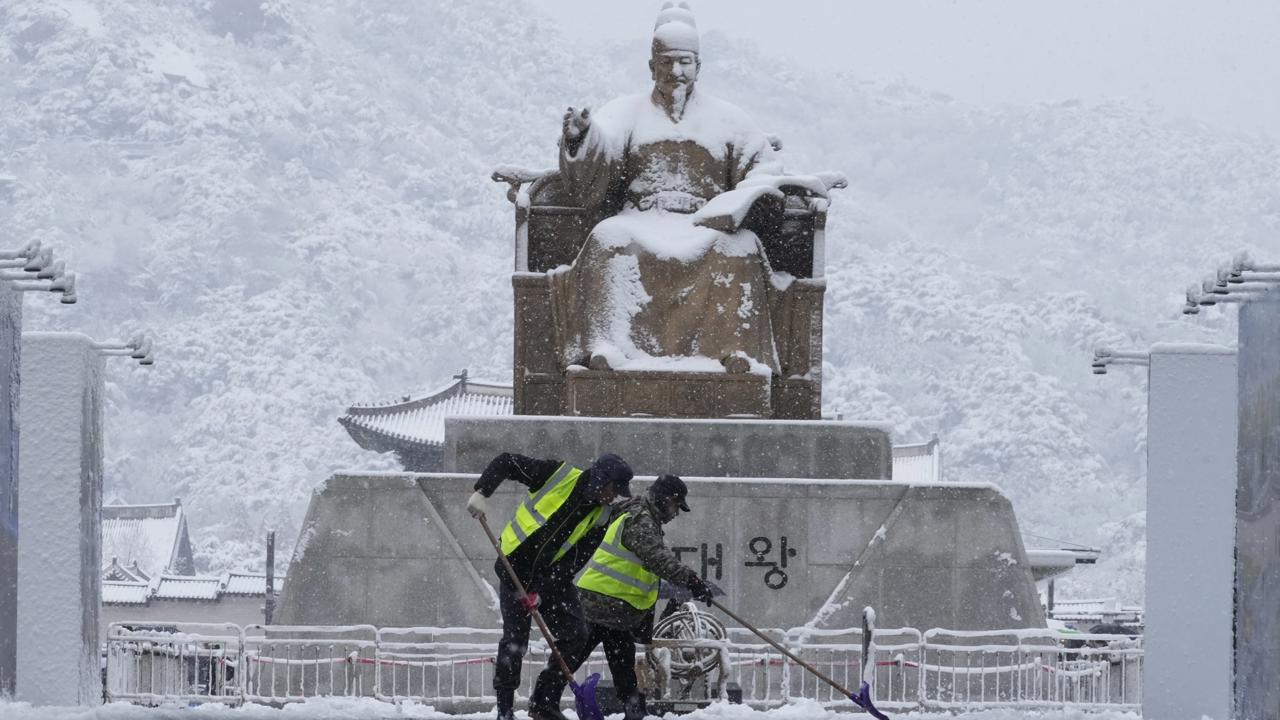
x=666 y=394
x=1191 y=486
x=59 y=561
x=1257 y=651
x=798 y=521
x=374 y=549
x=710 y=448
x=401 y=550
x=10 y=354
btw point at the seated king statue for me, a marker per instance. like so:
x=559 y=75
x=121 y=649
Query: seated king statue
x=670 y=278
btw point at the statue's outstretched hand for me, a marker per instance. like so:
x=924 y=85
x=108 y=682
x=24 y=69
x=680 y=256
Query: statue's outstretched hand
x=576 y=124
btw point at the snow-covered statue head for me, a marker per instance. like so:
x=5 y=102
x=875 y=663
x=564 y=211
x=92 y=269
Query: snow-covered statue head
x=673 y=274
x=675 y=30
x=674 y=64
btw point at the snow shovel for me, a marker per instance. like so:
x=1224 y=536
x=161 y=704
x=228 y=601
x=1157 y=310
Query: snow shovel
x=584 y=695
x=863 y=697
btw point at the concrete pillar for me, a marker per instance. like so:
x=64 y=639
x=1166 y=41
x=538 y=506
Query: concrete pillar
x=1191 y=485
x=1257 y=652
x=60 y=560
x=10 y=343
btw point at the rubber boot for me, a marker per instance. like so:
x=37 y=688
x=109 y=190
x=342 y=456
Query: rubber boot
x=634 y=708
x=506 y=703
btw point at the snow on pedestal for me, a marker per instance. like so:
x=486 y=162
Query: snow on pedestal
x=59 y=561
x=10 y=342
x=1191 y=486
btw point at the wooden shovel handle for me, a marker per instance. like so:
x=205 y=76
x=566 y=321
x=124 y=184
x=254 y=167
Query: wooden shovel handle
x=520 y=593
x=844 y=690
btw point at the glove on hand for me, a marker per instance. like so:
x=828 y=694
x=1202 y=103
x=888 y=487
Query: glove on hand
x=701 y=590
x=530 y=601
x=477 y=504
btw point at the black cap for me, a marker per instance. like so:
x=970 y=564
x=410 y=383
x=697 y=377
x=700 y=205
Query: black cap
x=610 y=468
x=670 y=486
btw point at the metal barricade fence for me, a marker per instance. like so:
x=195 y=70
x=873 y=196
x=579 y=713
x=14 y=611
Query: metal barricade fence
x=290 y=663
x=436 y=664
x=452 y=668
x=1030 y=668
x=838 y=654
x=155 y=662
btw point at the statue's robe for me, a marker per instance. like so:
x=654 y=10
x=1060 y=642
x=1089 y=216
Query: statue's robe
x=648 y=282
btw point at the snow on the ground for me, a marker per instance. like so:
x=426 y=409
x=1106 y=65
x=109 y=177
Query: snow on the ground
x=369 y=709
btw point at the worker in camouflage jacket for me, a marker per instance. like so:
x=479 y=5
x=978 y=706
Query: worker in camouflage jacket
x=619 y=591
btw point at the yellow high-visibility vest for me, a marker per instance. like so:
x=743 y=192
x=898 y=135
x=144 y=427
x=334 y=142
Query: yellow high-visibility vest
x=616 y=571
x=533 y=512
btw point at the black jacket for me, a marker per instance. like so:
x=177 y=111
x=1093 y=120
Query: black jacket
x=534 y=560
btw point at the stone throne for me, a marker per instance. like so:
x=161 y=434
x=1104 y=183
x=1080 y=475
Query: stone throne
x=550 y=231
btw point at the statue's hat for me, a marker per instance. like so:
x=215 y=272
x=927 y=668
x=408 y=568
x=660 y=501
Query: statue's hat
x=675 y=29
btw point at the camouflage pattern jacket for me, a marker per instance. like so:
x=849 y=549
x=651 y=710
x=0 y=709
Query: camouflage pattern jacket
x=642 y=535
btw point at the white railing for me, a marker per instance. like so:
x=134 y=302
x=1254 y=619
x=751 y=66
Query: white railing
x=1030 y=668
x=452 y=668
x=178 y=661
x=287 y=663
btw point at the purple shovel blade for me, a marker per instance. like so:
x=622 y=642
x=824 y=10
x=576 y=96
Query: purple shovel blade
x=863 y=700
x=584 y=698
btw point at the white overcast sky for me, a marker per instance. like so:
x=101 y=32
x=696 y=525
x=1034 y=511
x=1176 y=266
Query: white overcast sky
x=1215 y=60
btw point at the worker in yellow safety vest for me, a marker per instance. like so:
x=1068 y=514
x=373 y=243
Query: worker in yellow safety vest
x=557 y=525
x=619 y=590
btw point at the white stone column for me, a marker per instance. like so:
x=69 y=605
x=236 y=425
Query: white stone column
x=10 y=343
x=1191 y=490
x=59 y=560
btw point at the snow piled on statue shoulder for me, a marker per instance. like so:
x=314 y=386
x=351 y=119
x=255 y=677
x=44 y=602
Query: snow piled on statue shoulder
x=369 y=709
x=634 y=119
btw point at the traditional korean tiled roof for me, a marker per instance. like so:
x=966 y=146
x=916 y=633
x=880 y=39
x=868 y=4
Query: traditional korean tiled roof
x=1048 y=563
x=239 y=583
x=419 y=420
x=194 y=588
x=116 y=572
x=125 y=593
x=154 y=537
x=187 y=587
x=1096 y=610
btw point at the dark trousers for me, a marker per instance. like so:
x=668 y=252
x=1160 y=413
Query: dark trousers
x=619 y=651
x=560 y=610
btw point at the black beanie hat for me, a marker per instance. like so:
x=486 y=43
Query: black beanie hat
x=610 y=468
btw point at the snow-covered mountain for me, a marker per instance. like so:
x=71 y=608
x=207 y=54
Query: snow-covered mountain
x=294 y=198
